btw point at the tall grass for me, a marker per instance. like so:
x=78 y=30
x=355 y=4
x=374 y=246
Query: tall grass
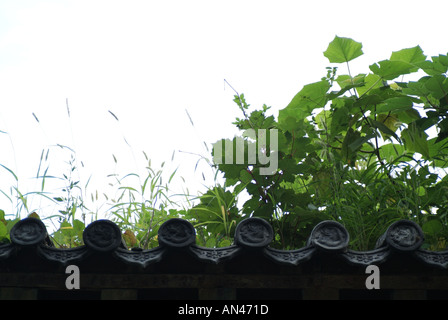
x=68 y=199
x=64 y=197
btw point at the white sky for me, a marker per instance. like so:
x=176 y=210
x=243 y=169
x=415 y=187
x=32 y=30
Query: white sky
x=148 y=61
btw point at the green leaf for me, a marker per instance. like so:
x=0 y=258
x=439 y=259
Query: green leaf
x=334 y=94
x=210 y=243
x=311 y=96
x=384 y=129
x=390 y=120
x=396 y=104
x=443 y=133
x=415 y=140
x=442 y=59
x=347 y=152
x=389 y=70
x=225 y=243
x=340 y=120
x=3 y=231
x=245 y=176
x=391 y=151
x=437 y=86
x=343 y=50
x=439 y=152
x=408 y=116
x=438 y=65
x=417 y=88
x=78 y=226
x=347 y=81
x=432 y=227
x=355 y=145
x=323 y=119
x=410 y=55
x=371 y=81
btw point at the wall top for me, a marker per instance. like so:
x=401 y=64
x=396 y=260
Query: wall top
x=251 y=235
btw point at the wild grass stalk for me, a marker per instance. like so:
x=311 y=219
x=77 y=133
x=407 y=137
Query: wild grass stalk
x=139 y=201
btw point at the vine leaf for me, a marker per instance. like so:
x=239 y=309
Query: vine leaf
x=437 y=86
x=311 y=96
x=410 y=55
x=384 y=128
x=416 y=140
x=401 y=62
x=342 y=50
x=391 y=69
x=371 y=81
x=348 y=153
x=443 y=134
x=438 y=65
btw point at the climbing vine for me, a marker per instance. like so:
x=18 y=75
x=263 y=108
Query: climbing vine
x=356 y=148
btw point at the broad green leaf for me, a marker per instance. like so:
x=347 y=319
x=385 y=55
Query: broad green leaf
x=442 y=59
x=427 y=122
x=343 y=50
x=417 y=87
x=347 y=153
x=311 y=96
x=437 y=86
x=389 y=70
x=443 y=133
x=346 y=81
x=78 y=226
x=391 y=122
x=323 y=119
x=3 y=231
x=376 y=97
x=415 y=139
x=410 y=55
x=245 y=176
x=225 y=243
x=408 y=116
x=292 y=120
x=210 y=243
x=439 y=152
x=371 y=81
x=334 y=94
x=438 y=65
x=432 y=227
x=340 y=120
x=396 y=104
x=357 y=144
x=384 y=129
x=391 y=151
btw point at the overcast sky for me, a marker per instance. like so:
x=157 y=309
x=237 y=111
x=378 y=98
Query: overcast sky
x=149 y=61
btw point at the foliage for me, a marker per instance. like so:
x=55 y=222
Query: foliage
x=364 y=149
x=142 y=206
x=353 y=148
x=5 y=227
x=215 y=217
